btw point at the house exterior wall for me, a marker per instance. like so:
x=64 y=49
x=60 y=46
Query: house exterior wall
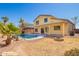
x=65 y=27
x=28 y=30
x=41 y=21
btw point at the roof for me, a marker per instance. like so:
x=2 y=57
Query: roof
x=66 y=20
x=43 y=15
x=29 y=25
x=29 y=28
x=55 y=18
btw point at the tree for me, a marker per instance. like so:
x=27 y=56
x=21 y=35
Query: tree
x=5 y=19
x=5 y=31
x=21 y=20
x=14 y=30
x=75 y=20
x=22 y=25
x=8 y=30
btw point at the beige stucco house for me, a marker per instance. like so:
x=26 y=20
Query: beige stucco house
x=48 y=24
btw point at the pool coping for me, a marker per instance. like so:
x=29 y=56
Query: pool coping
x=31 y=38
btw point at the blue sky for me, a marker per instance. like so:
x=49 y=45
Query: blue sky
x=29 y=11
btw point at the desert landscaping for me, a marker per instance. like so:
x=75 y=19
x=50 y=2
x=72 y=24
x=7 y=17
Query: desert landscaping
x=41 y=47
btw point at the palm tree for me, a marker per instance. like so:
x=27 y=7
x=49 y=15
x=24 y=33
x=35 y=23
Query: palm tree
x=5 y=31
x=21 y=20
x=14 y=30
x=75 y=20
x=22 y=25
x=5 y=19
x=8 y=30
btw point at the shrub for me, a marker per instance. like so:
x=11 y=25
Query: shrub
x=72 y=52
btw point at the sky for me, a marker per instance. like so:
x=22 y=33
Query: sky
x=29 y=11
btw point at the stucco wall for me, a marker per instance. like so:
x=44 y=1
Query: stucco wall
x=65 y=26
x=41 y=20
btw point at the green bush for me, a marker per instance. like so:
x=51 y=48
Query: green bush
x=72 y=52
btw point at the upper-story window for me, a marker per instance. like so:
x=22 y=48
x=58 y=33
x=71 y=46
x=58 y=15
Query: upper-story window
x=37 y=22
x=45 y=20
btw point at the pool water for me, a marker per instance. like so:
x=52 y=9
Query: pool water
x=30 y=36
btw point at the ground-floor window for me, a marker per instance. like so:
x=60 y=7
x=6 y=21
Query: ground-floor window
x=57 y=28
x=36 y=30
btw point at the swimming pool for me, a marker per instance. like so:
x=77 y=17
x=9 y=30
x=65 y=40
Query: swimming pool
x=30 y=36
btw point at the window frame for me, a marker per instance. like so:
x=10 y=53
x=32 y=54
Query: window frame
x=36 y=30
x=37 y=22
x=56 y=27
x=45 y=20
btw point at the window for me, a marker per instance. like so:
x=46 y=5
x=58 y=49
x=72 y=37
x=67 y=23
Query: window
x=36 y=30
x=37 y=22
x=56 y=27
x=45 y=20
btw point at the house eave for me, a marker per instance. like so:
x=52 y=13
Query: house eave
x=42 y=15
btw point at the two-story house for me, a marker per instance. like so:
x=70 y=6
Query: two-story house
x=48 y=24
